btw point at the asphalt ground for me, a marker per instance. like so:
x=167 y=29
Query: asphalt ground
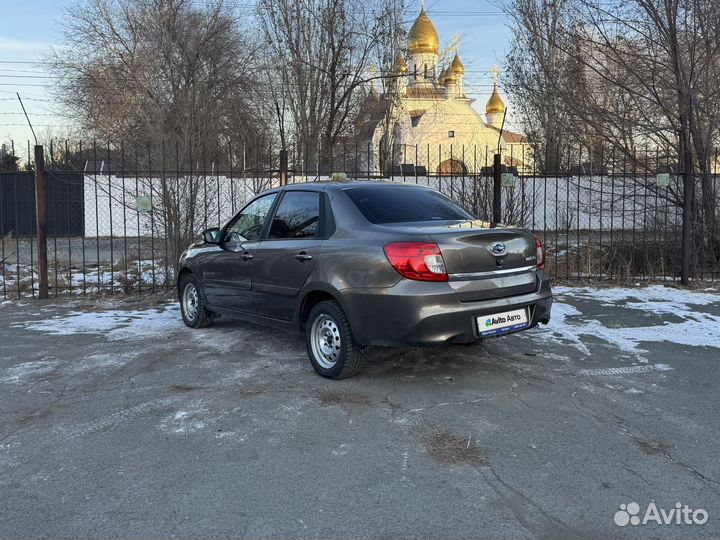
x=119 y=422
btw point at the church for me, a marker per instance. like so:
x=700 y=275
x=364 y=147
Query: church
x=424 y=122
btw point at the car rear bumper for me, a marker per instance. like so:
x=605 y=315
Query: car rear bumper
x=420 y=313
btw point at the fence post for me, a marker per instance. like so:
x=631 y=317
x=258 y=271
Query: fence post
x=497 y=191
x=686 y=248
x=41 y=216
x=283 y=167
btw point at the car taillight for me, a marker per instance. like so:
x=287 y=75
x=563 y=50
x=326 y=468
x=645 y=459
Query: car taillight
x=540 y=254
x=421 y=261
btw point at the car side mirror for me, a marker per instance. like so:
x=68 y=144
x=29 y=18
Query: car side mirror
x=211 y=236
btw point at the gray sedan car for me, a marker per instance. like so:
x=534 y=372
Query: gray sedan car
x=365 y=263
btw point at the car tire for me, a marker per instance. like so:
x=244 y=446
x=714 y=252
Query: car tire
x=332 y=349
x=193 y=305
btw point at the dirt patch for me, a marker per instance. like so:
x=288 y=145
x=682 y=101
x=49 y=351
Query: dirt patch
x=330 y=398
x=653 y=448
x=35 y=416
x=450 y=449
x=247 y=392
x=182 y=388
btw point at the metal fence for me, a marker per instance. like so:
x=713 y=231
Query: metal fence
x=118 y=218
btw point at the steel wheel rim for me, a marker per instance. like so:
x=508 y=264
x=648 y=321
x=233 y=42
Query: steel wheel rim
x=191 y=301
x=325 y=341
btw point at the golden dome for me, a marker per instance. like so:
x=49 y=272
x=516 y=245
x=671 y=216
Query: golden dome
x=443 y=75
x=495 y=104
x=448 y=76
x=457 y=65
x=423 y=38
x=400 y=64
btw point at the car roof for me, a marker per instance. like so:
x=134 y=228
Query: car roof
x=322 y=186
x=338 y=186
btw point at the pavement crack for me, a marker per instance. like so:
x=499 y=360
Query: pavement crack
x=635 y=473
x=528 y=513
x=694 y=471
x=449 y=403
x=655 y=448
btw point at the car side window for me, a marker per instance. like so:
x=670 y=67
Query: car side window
x=297 y=216
x=248 y=225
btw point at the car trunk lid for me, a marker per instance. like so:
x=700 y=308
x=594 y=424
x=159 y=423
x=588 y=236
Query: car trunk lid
x=477 y=253
x=486 y=263
x=475 y=270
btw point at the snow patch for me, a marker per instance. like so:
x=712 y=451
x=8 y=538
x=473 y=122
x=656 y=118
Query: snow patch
x=121 y=416
x=695 y=328
x=625 y=370
x=20 y=373
x=231 y=435
x=101 y=362
x=641 y=295
x=183 y=422
x=115 y=325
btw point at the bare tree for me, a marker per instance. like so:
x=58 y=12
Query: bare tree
x=321 y=55
x=537 y=65
x=649 y=72
x=151 y=70
x=8 y=159
x=175 y=80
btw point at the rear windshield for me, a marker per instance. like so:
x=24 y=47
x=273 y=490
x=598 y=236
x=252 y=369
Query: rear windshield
x=400 y=204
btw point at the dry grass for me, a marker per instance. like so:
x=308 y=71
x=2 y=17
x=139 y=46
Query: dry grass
x=450 y=449
x=329 y=398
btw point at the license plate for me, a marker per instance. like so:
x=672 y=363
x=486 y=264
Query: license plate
x=500 y=323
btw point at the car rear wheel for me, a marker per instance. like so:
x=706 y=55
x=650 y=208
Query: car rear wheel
x=192 y=304
x=331 y=347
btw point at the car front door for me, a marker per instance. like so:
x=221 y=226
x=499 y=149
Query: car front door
x=284 y=259
x=227 y=276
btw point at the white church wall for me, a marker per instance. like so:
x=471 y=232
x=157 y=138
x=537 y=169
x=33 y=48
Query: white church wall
x=416 y=67
x=451 y=129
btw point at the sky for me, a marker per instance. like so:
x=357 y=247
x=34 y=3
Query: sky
x=28 y=29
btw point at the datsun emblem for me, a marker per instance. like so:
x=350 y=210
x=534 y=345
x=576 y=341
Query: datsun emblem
x=497 y=248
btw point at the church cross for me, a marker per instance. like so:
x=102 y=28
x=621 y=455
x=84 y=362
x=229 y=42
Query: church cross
x=456 y=42
x=495 y=74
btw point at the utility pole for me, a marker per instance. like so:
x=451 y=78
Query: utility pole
x=41 y=216
x=40 y=209
x=497 y=177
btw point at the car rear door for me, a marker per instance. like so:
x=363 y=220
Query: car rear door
x=285 y=258
x=227 y=274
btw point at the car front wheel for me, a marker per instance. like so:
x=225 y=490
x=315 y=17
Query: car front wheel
x=192 y=304
x=330 y=343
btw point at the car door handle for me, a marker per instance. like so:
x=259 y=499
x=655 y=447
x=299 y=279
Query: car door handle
x=302 y=256
x=247 y=256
